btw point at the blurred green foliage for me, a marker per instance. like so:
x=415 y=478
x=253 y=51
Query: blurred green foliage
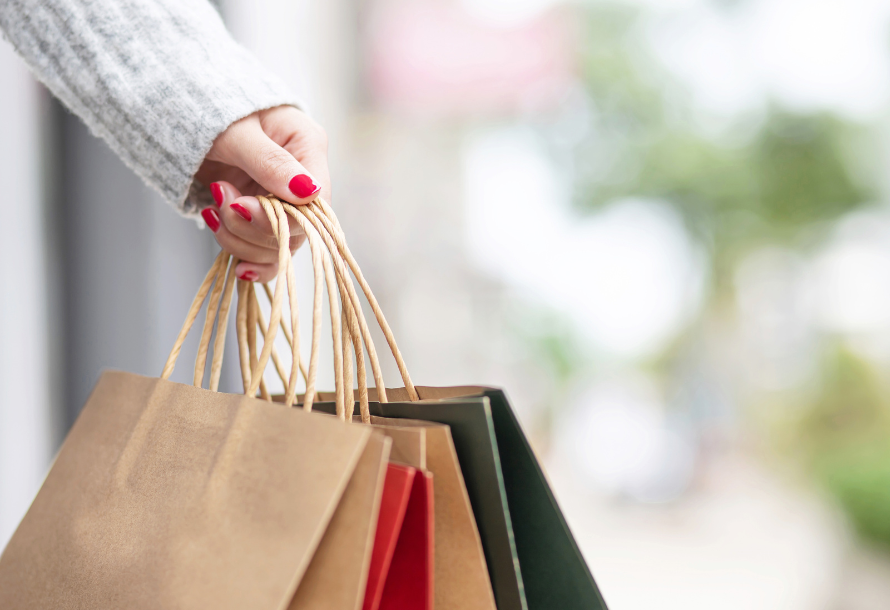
x=850 y=407
x=845 y=433
x=779 y=173
x=859 y=477
x=767 y=180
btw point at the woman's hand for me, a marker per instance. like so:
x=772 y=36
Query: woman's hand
x=280 y=151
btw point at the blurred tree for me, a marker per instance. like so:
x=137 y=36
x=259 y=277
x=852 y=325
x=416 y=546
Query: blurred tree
x=788 y=173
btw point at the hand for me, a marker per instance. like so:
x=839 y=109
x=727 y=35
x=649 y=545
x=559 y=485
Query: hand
x=280 y=151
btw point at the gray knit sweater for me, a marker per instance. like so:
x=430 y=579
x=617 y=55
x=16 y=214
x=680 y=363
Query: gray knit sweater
x=157 y=79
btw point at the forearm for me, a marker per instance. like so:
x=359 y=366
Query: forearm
x=157 y=79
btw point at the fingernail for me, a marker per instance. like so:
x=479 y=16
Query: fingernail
x=302 y=185
x=249 y=276
x=211 y=217
x=217 y=192
x=241 y=211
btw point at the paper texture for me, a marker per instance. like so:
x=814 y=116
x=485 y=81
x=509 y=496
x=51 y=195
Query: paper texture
x=337 y=576
x=169 y=496
x=411 y=581
x=553 y=572
x=393 y=504
x=461 y=574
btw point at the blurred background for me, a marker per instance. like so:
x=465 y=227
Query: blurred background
x=662 y=225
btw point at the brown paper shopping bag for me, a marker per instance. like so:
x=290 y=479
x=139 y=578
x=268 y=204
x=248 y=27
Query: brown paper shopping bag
x=337 y=575
x=165 y=495
x=171 y=496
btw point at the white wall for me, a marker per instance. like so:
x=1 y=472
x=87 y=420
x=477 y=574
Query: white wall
x=25 y=420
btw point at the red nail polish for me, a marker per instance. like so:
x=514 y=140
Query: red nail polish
x=217 y=192
x=249 y=276
x=241 y=211
x=302 y=185
x=211 y=217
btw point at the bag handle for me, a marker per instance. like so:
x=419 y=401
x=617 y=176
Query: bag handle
x=318 y=252
x=332 y=262
x=354 y=326
x=249 y=317
x=329 y=219
x=353 y=321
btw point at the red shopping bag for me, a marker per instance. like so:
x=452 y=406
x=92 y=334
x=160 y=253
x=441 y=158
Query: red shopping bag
x=401 y=571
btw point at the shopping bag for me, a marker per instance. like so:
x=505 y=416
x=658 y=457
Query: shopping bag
x=409 y=582
x=401 y=572
x=337 y=575
x=462 y=577
x=533 y=559
x=393 y=505
x=165 y=495
x=532 y=556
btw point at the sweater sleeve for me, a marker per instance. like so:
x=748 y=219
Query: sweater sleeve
x=158 y=80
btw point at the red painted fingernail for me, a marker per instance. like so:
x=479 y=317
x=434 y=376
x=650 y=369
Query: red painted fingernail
x=241 y=211
x=211 y=217
x=249 y=276
x=302 y=185
x=217 y=192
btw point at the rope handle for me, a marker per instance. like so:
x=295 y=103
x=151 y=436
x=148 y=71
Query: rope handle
x=329 y=219
x=248 y=318
x=332 y=262
x=323 y=219
x=353 y=326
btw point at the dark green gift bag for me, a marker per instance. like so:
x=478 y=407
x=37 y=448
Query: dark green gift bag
x=532 y=556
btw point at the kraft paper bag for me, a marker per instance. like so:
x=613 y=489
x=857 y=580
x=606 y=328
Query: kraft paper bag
x=337 y=577
x=169 y=496
x=532 y=556
x=461 y=574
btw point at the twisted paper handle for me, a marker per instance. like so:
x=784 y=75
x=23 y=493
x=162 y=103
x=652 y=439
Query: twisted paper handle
x=332 y=262
x=248 y=318
x=354 y=328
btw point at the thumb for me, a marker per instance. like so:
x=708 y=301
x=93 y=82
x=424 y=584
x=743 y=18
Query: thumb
x=273 y=168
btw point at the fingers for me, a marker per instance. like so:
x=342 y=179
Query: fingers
x=258 y=264
x=246 y=218
x=254 y=272
x=242 y=228
x=279 y=150
x=246 y=145
x=303 y=138
x=235 y=245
